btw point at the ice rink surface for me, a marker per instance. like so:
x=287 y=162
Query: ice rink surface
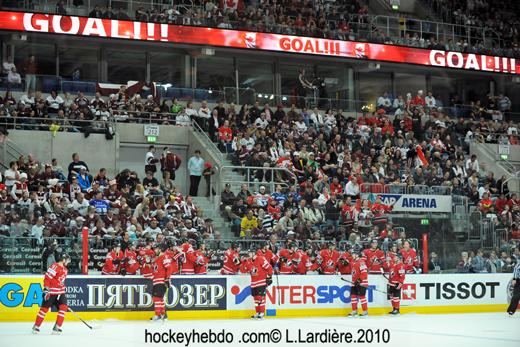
x=461 y=330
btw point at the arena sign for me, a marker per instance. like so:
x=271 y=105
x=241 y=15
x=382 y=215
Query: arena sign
x=130 y=30
x=197 y=297
x=414 y=202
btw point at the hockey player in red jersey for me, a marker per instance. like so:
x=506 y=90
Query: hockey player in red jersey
x=345 y=263
x=410 y=260
x=285 y=256
x=146 y=258
x=54 y=294
x=113 y=261
x=189 y=260
x=175 y=255
x=203 y=258
x=261 y=277
x=359 y=283
x=390 y=255
x=303 y=262
x=268 y=254
x=328 y=260
x=130 y=262
x=231 y=260
x=161 y=280
x=375 y=258
x=395 y=283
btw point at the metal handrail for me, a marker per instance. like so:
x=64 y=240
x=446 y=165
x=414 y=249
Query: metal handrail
x=211 y=146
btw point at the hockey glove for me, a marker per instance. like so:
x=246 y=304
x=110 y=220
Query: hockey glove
x=116 y=262
x=417 y=270
x=123 y=272
x=269 y=281
x=46 y=294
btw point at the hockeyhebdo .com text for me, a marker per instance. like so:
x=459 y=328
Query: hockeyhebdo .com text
x=272 y=337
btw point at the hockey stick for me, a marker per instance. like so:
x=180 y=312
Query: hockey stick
x=374 y=289
x=78 y=317
x=278 y=289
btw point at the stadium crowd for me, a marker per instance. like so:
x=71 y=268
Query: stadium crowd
x=345 y=20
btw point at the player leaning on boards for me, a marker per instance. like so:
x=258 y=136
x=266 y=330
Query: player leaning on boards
x=54 y=294
x=516 y=291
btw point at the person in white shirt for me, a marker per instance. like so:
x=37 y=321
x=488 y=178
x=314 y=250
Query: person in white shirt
x=247 y=141
x=472 y=164
x=27 y=99
x=317 y=119
x=14 y=77
x=37 y=231
x=352 y=187
x=204 y=111
x=300 y=125
x=80 y=204
x=190 y=111
x=150 y=160
x=54 y=102
x=8 y=66
x=384 y=102
x=261 y=122
x=11 y=175
x=430 y=100
x=183 y=119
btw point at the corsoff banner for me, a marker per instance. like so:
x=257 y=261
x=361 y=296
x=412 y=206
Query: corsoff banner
x=96 y=27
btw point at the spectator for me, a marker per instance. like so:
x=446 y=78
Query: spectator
x=30 y=69
x=13 y=77
x=434 y=265
x=478 y=264
x=493 y=265
x=75 y=166
x=83 y=179
x=464 y=265
x=384 y=102
x=195 y=168
x=150 y=161
x=248 y=225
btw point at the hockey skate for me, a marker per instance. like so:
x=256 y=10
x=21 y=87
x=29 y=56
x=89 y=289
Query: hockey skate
x=35 y=329
x=164 y=317
x=260 y=316
x=394 y=312
x=56 y=330
x=353 y=314
x=364 y=314
x=155 y=318
x=255 y=316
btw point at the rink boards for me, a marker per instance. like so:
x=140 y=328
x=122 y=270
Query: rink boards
x=219 y=297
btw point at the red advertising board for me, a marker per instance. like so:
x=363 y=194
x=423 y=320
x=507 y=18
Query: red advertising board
x=129 y=30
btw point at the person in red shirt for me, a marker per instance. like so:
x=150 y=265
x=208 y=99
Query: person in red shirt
x=268 y=254
x=410 y=260
x=113 y=261
x=273 y=208
x=379 y=209
x=130 y=263
x=335 y=187
x=303 y=262
x=175 y=255
x=395 y=283
x=189 y=260
x=328 y=260
x=375 y=258
x=146 y=257
x=500 y=203
x=418 y=100
x=161 y=281
x=286 y=256
x=231 y=260
x=345 y=263
x=203 y=258
x=225 y=136
x=54 y=294
x=261 y=277
x=359 y=283
x=486 y=203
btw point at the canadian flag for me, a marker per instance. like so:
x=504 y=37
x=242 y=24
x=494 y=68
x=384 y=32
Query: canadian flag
x=232 y=4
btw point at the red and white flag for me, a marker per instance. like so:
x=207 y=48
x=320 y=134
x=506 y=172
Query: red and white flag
x=232 y=5
x=421 y=156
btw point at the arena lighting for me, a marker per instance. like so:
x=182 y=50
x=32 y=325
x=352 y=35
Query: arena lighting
x=210 y=91
x=166 y=86
x=260 y=96
x=284 y=98
x=130 y=30
x=271 y=97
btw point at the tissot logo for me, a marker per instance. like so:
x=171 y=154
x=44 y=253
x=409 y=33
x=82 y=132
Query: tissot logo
x=462 y=290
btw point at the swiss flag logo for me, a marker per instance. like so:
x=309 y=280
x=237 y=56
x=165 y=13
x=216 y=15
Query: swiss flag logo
x=409 y=291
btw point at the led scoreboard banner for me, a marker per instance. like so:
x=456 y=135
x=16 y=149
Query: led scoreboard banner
x=130 y=30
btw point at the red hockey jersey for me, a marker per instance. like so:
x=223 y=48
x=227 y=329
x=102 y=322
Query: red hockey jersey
x=131 y=263
x=302 y=262
x=110 y=267
x=189 y=260
x=161 y=269
x=269 y=255
x=286 y=264
x=375 y=260
x=410 y=260
x=345 y=263
x=359 y=272
x=231 y=262
x=328 y=261
x=201 y=263
x=397 y=274
x=146 y=258
x=175 y=258
x=259 y=269
x=54 y=279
